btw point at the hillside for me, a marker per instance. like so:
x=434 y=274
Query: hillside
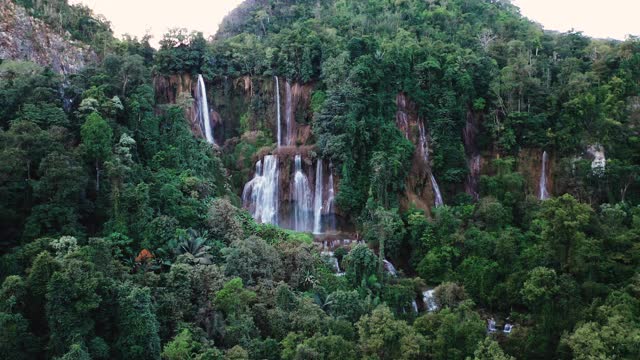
x=24 y=37
x=334 y=179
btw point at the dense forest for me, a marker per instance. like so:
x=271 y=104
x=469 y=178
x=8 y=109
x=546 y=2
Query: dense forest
x=129 y=221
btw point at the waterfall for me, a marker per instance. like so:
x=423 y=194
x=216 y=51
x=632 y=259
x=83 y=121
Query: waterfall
x=544 y=193
x=288 y=103
x=317 y=200
x=330 y=193
x=203 y=111
x=436 y=191
x=260 y=194
x=302 y=197
x=429 y=300
x=278 y=111
x=599 y=161
x=329 y=207
x=331 y=259
x=414 y=305
x=424 y=144
x=424 y=150
x=402 y=119
x=388 y=266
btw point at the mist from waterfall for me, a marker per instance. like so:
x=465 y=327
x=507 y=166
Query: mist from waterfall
x=301 y=198
x=203 y=111
x=544 y=193
x=317 y=200
x=260 y=195
x=278 y=111
x=424 y=150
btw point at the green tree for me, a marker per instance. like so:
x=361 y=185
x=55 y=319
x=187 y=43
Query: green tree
x=72 y=299
x=324 y=348
x=564 y=232
x=137 y=325
x=59 y=193
x=183 y=346
x=16 y=341
x=360 y=264
x=233 y=298
x=76 y=352
x=490 y=350
x=452 y=333
x=96 y=137
x=384 y=229
x=253 y=260
x=383 y=337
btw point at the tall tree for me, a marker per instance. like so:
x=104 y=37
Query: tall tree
x=96 y=135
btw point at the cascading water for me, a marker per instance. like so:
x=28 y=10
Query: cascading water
x=278 y=111
x=329 y=206
x=429 y=300
x=302 y=198
x=424 y=144
x=288 y=103
x=331 y=259
x=424 y=149
x=414 y=305
x=260 y=195
x=599 y=161
x=317 y=200
x=330 y=194
x=388 y=266
x=203 y=111
x=544 y=193
x=402 y=118
x=436 y=191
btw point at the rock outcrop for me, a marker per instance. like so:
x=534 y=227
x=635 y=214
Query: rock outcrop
x=419 y=189
x=23 y=37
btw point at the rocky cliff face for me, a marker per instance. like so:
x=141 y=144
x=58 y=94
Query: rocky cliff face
x=23 y=37
x=243 y=104
x=530 y=165
x=419 y=190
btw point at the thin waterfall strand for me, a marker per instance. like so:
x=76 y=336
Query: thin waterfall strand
x=288 y=141
x=544 y=193
x=402 y=118
x=317 y=201
x=203 y=111
x=424 y=149
x=278 y=111
x=331 y=224
x=436 y=191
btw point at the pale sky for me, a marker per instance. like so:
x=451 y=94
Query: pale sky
x=597 y=18
x=137 y=17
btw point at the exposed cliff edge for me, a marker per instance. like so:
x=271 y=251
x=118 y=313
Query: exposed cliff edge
x=23 y=37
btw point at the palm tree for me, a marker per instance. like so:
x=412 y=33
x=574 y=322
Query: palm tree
x=196 y=245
